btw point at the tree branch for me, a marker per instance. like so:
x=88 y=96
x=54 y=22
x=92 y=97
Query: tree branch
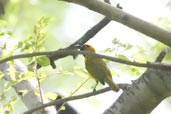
x=59 y=53
x=133 y=22
x=30 y=99
x=87 y=36
x=122 y=86
x=145 y=93
x=92 y=32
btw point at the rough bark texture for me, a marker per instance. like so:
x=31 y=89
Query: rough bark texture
x=30 y=99
x=144 y=94
x=131 y=21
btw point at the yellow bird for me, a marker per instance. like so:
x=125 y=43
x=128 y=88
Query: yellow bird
x=98 y=69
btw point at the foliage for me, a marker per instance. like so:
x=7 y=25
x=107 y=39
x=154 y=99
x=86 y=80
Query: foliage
x=29 y=45
x=21 y=19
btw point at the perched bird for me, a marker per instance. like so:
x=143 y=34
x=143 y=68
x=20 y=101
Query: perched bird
x=98 y=69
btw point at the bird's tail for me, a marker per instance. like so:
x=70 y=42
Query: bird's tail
x=112 y=85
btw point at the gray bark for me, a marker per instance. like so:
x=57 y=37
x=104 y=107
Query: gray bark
x=30 y=99
x=144 y=94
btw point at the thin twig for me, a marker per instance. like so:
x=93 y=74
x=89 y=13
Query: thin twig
x=35 y=69
x=74 y=93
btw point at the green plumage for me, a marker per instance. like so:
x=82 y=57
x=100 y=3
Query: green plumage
x=97 y=69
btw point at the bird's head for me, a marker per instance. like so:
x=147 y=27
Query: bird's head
x=87 y=47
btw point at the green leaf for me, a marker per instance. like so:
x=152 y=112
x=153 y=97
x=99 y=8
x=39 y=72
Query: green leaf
x=2 y=33
x=5 y=106
x=9 y=32
x=114 y=73
x=31 y=69
x=3 y=23
x=20 y=44
x=13 y=100
x=23 y=92
x=43 y=20
x=13 y=73
x=42 y=76
x=36 y=92
x=10 y=107
x=7 y=86
x=62 y=108
x=30 y=38
x=43 y=61
x=94 y=102
x=30 y=75
x=122 y=57
x=129 y=46
x=7 y=54
x=134 y=71
x=115 y=41
x=4 y=46
x=1 y=75
x=51 y=95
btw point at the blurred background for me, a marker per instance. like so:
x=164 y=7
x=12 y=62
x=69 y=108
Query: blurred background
x=68 y=22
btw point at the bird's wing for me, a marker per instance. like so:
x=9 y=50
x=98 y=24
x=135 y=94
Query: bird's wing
x=98 y=69
x=106 y=69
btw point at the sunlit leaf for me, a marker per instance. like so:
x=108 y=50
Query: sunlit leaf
x=20 y=44
x=122 y=57
x=1 y=33
x=114 y=73
x=36 y=92
x=1 y=75
x=23 y=92
x=4 y=46
x=13 y=73
x=94 y=102
x=62 y=108
x=7 y=54
x=133 y=71
x=42 y=76
x=10 y=107
x=43 y=61
x=5 y=106
x=51 y=95
x=115 y=41
x=29 y=75
x=128 y=47
x=7 y=86
x=3 y=23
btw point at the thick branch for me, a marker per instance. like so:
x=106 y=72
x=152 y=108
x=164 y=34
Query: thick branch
x=145 y=93
x=62 y=53
x=91 y=33
x=126 y=19
x=87 y=36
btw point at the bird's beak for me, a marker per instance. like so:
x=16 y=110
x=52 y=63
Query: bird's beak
x=80 y=47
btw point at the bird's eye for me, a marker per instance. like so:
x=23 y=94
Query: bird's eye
x=86 y=45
